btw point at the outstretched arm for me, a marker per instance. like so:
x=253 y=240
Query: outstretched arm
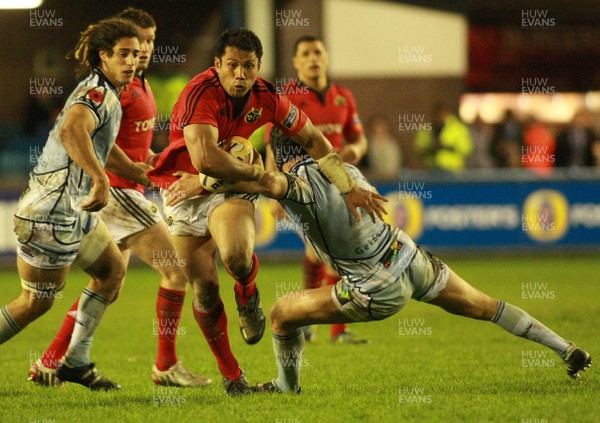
x=188 y=185
x=273 y=184
x=315 y=143
x=120 y=164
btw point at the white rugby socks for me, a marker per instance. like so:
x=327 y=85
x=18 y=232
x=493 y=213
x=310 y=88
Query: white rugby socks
x=89 y=313
x=518 y=322
x=288 y=356
x=8 y=327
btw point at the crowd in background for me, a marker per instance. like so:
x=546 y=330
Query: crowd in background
x=452 y=145
x=448 y=144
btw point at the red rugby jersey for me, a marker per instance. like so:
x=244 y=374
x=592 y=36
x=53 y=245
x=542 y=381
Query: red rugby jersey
x=205 y=101
x=333 y=112
x=137 y=127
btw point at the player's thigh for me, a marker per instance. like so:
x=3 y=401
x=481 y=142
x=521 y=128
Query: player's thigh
x=196 y=255
x=125 y=253
x=458 y=297
x=233 y=227
x=48 y=278
x=153 y=246
x=311 y=306
x=39 y=288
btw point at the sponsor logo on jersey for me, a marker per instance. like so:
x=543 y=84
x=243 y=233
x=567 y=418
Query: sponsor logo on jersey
x=545 y=215
x=342 y=293
x=339 y=100
x=253 y=115
x=292 y=117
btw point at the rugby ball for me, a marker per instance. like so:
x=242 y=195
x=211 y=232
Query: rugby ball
x=241 y=149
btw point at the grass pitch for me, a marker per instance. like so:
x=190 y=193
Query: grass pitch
x=422 y=365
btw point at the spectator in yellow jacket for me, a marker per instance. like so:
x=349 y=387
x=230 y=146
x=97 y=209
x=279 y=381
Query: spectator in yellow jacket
x=447 y=144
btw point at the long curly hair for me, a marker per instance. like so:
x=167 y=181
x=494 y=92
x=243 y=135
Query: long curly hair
x=101 y=36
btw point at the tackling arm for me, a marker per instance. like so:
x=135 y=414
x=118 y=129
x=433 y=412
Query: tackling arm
x=273 y=184
x=315 y=143
x=120 y=164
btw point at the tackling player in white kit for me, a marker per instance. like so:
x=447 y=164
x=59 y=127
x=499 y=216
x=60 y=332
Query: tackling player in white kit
x=381 y=270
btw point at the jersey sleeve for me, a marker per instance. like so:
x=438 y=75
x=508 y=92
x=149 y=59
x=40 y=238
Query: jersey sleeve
x=288 y=117
x=353 y=126
x=202 y=107
x=94 y=99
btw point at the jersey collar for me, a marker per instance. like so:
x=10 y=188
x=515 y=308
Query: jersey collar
x=105 y=79
x=142 y=79
x=322 y=95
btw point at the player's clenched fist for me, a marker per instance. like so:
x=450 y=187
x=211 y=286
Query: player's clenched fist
x=98 y=196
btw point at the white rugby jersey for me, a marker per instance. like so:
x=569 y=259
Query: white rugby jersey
x=57 y=185
x=320 y=215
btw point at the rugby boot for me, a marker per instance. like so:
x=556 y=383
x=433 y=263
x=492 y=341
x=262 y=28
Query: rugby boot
x=252 y=319
x=86 y=375
x=576 y=360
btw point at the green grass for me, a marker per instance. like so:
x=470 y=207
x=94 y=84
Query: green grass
x=463 y=371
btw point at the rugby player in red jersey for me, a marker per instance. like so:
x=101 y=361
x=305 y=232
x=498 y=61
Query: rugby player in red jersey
x=332 y=109
x=136 y=225
x=228 y=100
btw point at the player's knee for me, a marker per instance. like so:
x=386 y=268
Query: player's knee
x=238 y=262
x=275 y=315
x=109 y=280
x=480 y=310
x=174 y=278
x=112 y=273
x=115 y=278
x=279 y=321
x=38 y=298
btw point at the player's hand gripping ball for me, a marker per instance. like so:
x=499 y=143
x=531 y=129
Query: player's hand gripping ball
x=241 y=149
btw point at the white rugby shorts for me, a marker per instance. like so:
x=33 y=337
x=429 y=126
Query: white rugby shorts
x=128 y=212
x=52 y=245
x=423 y=280
x=190 y=216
